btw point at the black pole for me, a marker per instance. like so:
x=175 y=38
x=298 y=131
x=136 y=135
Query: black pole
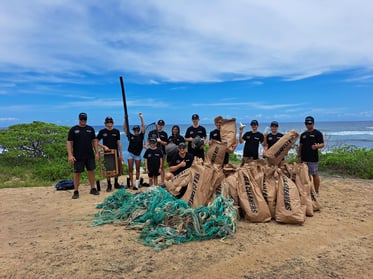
x=124 y=102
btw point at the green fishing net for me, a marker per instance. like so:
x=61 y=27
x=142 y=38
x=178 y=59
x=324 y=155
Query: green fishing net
x=164 y=220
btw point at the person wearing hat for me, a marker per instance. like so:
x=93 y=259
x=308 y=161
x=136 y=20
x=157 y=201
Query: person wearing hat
x=196 y=137
x=81 y=148
x=252 y=140
x=110 y=137
x=181 y=160
x=153 y=161
x=310 y=142
x=215 y=136
x=271 y=138
x=135 y=146
x=162 y=141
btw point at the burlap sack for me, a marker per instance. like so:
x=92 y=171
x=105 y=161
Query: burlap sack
x=252 y=203
x=175 y=184
x=271 y=176
x=215 y=154
x=288 y=207
x=203 y=184
x=256 y=168
x=278 y=151
x=298 y=173
x=315 y=201
x=228 y=131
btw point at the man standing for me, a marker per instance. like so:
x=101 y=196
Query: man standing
x=81 y=142
x=215 y=136
x=271 y=138
x=310 y=142
x=196 y=137
x=111 y=140
x=252 y=140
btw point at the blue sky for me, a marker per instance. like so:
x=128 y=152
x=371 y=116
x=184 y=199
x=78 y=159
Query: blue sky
x=265 y=60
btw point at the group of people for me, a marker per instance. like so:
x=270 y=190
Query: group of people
x=179 y=151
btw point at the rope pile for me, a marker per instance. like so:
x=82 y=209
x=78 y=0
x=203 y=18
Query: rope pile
x=165 y=220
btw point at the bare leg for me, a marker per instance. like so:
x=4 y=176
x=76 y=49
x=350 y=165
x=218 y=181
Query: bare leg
x=76 y=181
x=138 y=165
x=316 y=182
x=130 y=171
x=91 y=178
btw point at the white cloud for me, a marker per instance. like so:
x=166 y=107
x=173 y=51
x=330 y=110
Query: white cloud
x=186 y=41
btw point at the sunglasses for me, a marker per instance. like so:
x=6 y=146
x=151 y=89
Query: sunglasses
x=83 y=119
x=308 y=123
x=109 y=121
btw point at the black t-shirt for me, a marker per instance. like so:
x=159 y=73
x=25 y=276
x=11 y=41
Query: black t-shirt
x=109 y=137
x=215 y=135
x=194 y=132
x=252 y=141
x=272 y=139
x=177 y=159
x=176 y=139
x=307 y=139
x=82 y=138
x=153 y=157
x=162 y=135
x=135 y=143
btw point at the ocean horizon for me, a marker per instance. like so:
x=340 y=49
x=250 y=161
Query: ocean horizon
x=336 y=133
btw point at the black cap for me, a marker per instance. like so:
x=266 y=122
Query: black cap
x=309 y=119
x=182 y=145
x=274 y=123
x=136 y=127
x=254 y=122
x=109 y=119
x=161 y=122
x=152 y=140
x=195 y=116
x=82 y=116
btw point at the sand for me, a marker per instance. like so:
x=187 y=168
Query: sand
x=46 y=234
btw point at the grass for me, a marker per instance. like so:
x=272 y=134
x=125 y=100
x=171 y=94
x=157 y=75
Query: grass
x=344 y=161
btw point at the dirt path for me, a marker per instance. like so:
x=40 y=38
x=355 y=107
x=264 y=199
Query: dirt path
x=46 y=234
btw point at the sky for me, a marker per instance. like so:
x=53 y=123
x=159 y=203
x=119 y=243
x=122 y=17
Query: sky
x=264 y=60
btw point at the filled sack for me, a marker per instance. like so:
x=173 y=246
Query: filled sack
x=251 y=200
x=278 y=151
x=289 y=210
x=66 y=184
x=215 y=154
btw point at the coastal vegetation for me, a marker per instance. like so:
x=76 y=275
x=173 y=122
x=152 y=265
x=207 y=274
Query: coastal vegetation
x=35 y=154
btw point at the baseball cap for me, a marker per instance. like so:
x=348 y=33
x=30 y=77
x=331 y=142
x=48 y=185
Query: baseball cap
x=182 y=145
x=309 y=119
x=274 y=123
x=152 y=140
x=109 y=119
x=161 y=122
x=254 y=122
x=195 y=116
x=82 y=116
x=136 y=127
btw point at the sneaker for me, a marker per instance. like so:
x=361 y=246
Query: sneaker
x=135 y=188
x=108 y=188
x=94 y=192
x=75 y=195
x=117 y=186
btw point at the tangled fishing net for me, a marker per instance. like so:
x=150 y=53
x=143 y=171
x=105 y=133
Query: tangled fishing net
x=165 y=220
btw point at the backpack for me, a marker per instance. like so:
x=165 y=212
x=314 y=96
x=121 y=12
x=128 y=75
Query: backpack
x=67 y=184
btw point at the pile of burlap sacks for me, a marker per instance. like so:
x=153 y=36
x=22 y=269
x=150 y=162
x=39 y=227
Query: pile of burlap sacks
x=260 y=190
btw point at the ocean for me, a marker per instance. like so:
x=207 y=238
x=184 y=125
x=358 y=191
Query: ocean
x=336 y=134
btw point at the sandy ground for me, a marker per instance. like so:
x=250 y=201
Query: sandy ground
x=46 y=234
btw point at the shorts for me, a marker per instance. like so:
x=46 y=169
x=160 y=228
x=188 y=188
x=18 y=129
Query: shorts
x=134 y=157
x=89 y=163
x=153 y=174
x=312 y=168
